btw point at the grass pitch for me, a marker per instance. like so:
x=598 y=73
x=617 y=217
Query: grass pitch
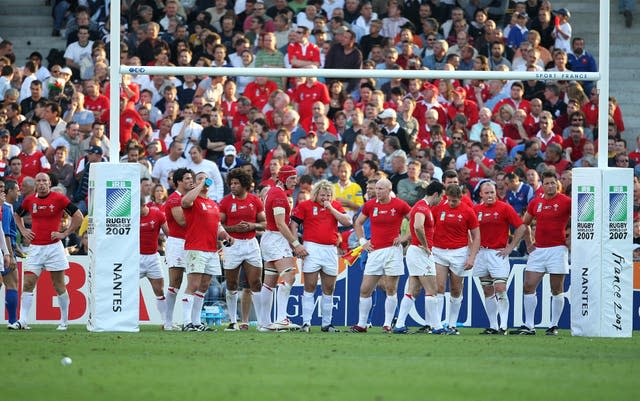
x=156 y=365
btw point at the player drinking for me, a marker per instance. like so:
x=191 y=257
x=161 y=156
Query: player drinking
x=202 y=231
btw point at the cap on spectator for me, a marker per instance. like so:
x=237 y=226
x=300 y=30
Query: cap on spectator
x=461 y=91
x=522 y=15
x=35 y=54
x=388 y=113
x=153 y=143
x=230 y=150
x=409 y=25
x=312 y=133
x=429 y=86
x=519 y=84
x=562 y=11
x=285 y=172
x=96 y=150
x=4 y=132
x=66 y=70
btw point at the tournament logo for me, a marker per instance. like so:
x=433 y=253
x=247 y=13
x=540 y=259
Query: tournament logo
x=618 y=203
x=118 y=207
x=586 y=203
x=118 y=199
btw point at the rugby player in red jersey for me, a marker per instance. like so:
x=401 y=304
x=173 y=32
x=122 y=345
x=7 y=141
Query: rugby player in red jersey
x=152 y=220
x=46 y=251
x=422 y=268
x=453 y=253
x=203 y=229
x=548 y=254
x=174 y=250
x=385 y=251
x=492 y=264
x=319 y=217
x=276 y=246
x=242 y=213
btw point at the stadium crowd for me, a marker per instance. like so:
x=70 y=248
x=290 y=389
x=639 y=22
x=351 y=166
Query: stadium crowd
x=352 y=133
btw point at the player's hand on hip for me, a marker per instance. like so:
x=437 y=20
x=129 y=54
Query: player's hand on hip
x=468 y=264
x=300 y=251
x=367 y=246
x=28 y=234
x=531 y=248
x=397 y=241
x=504 y=252
x=57 y=235
x=7 y=261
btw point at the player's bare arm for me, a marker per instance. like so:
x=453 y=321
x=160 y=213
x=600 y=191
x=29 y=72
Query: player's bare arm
x=358 y=225
x=474 y=246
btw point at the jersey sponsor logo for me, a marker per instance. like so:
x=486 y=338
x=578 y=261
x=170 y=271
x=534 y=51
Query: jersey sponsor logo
x=375 y=211
x=480 y=216
x=234 y=207
x=539 y=209
x=315 y=211
x=442 y=216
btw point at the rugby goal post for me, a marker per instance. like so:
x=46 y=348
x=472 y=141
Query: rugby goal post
x=601 y=292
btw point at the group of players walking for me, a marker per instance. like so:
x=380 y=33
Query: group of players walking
x=449 y=238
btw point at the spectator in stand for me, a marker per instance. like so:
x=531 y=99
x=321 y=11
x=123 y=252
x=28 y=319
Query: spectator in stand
x=484 y=121
x=345 y=55
x=62 y=170
x=51 y=125
x=33 y=161
x=15 y=170
x=215 y=136
x=412 y=188
x=78 y=54
x=562 y=30
x=173 y=161
x=519 y=194
x=554 y=157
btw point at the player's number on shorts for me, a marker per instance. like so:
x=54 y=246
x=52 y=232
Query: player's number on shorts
x=118 y=230
x=620 y=235
x=585 y=235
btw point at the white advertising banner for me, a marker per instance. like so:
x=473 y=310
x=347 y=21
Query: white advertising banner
x=617 y=253
x=586 y=251
x=114 y=247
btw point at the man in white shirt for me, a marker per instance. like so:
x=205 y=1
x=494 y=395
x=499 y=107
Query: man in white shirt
x=79 y=50
x=199 y=164
x=187 y=131
x=167 y=164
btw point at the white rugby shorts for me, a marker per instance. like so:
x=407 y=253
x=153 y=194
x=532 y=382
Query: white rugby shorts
x=553 y=260
x=175 y=255
x=489 y=264
x=321 y=257
x=203 y=262
x=242 y=250
x=50 y=257
x=150 y=266
x=274 y=246
x=419 y=263
x=453 y=259
x=386 y=261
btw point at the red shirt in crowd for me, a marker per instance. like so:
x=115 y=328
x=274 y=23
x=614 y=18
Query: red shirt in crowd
x=150 y=226
x=34 y=163
x=259 y=95
x=305 y=95
x=320 y=225
x=386 y=219
x=237 y=210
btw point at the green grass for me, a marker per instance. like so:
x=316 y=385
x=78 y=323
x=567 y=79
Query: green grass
x=155 y=365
